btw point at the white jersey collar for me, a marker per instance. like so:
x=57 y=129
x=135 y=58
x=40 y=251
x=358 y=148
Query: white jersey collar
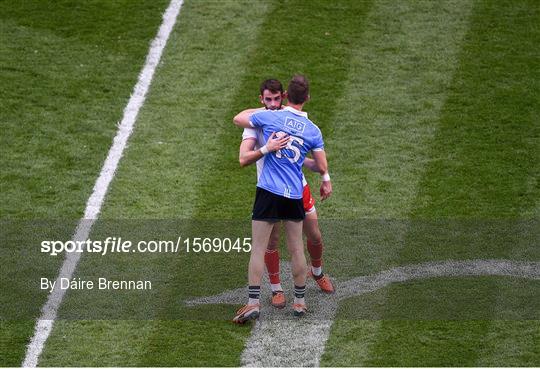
x=294 y=111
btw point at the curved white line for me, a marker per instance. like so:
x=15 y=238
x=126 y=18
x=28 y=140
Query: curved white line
x=276 y=340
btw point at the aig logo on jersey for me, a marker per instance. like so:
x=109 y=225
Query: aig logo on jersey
x=295 y=126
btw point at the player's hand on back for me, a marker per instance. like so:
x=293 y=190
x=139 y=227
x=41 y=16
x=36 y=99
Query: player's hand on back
x=275 y=142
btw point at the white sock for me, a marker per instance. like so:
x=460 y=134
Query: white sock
x=253 y=301
x=276 y=287
x=317 y=271
x=299 y=300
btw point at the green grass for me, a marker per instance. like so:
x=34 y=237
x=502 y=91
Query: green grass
x=398 y=82
x=428 y=112
x=113 y=343
x=434 y=343
x=482 y=166
x=452 y=299
x=67 y=71
x=484 y=158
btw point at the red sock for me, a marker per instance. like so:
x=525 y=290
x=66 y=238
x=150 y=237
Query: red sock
x=315 y=253
x=271 y=259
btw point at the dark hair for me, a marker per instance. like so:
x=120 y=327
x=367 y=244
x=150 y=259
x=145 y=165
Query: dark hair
x=298 y=89
x=272 y=85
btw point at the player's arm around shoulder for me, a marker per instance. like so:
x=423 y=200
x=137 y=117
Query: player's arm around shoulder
x=319 y=157
x=242 y=119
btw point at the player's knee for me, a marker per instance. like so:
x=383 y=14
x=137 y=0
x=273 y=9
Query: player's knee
x=273 y=243
x=297 y=255
x=316 y=239
x=255 y=270
x=314 y=236
x=312 y=231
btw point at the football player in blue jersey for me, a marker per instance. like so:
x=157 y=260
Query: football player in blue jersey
x=271 y=96
x=280 y=189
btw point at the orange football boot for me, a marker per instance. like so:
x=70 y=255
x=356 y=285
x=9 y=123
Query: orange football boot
x=245 y=313
x=299 y=310
x=278 y=299
x=325 y=284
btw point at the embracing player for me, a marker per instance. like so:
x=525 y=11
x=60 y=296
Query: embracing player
x=280 y=190
x=252 y=149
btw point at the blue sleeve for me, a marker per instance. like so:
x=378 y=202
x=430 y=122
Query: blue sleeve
x=318 y=143
x=257 y=119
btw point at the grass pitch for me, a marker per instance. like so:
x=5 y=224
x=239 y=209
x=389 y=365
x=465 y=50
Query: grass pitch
x=429 y=113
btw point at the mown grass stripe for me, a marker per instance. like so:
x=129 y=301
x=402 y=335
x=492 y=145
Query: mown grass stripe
x=396 y=90
x=510 y=343
x=388 y=116
x=515 y=343
x=481 y=163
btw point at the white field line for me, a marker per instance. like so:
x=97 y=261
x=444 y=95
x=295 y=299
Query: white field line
x=49 y=311
x=278 y=340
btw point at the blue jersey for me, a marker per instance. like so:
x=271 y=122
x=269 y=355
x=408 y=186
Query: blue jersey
x=282 y=170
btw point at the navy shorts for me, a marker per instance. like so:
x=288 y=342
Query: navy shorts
x=272 y=207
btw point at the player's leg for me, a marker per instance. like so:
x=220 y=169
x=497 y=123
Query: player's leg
x=315 y=249
x=260 y=235
x=315 y=242
x=312 y=231
x=295 y=245
x=271 y=259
